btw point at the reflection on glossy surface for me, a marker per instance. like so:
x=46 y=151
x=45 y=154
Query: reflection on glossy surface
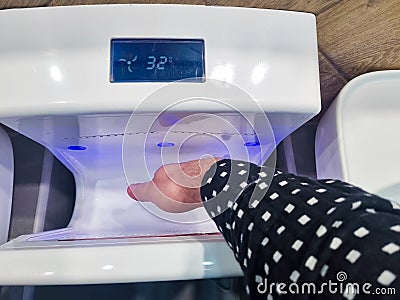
x=224 y=72
x=55 y=73
x=107 y=267
x=208 y=265
x=258 y=73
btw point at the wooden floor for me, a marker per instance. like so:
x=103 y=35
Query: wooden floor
x=355 y=36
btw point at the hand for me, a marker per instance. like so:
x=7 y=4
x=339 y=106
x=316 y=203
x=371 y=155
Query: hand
x=175 y=187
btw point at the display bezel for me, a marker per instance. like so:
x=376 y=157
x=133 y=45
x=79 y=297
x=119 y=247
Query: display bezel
x=198 y=79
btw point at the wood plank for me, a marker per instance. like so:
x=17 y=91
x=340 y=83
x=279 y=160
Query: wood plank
x=313 y=6
x=92 y=2
x=22 y=3
x=361 y=36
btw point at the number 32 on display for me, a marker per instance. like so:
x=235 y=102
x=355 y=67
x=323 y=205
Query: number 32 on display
x=154 y=63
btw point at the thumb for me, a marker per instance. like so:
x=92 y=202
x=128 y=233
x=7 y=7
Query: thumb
x=135 y=191
x=130 y=190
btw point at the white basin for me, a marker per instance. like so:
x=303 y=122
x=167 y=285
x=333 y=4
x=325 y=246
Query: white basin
x=357 y=140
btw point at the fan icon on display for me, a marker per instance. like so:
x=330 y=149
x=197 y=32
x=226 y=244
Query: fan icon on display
x=129 y=62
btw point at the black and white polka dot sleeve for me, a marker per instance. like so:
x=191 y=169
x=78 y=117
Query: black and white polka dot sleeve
x=294 y=230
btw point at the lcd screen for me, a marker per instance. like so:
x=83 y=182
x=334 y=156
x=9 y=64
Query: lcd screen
x=157 y=60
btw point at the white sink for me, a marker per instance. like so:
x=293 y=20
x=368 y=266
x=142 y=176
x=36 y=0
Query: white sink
x=357 y=140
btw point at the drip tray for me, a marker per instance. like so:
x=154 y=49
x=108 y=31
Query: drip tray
x=71 y=235
x=89 y=238
x=143 y=225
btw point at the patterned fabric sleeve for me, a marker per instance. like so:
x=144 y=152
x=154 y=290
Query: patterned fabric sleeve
x=304 y=231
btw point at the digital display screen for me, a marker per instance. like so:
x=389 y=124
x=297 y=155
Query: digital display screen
x=157 y=60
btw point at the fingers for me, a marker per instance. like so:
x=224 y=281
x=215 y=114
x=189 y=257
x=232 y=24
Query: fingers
x=175 y=187
x=130 y=193
x=148 y=192
x=137 y=191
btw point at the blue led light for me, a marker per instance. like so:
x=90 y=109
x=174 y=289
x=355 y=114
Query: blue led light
x=165 y=144
x=76 y=148
x=252 y=144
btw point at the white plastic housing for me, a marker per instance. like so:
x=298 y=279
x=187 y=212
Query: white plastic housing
x=357 y=139
x=55 y=89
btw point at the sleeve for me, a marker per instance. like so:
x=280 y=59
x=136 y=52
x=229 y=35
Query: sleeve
x=297 y=236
